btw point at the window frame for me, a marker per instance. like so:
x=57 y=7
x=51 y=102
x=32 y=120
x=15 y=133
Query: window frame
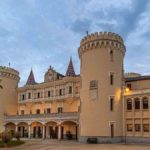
x=137 y=104
x=143 y=105
x=129 y=105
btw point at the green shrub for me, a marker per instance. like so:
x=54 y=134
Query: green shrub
x=6 y=137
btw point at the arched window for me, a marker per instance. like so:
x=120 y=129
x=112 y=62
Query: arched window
x=145 y=103
x=129 y=104
x=137 y=103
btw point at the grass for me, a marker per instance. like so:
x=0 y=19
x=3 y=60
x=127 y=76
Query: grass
x=11 y=143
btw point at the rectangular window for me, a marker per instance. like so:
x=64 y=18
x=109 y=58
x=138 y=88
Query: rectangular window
x=38 y=111
x=60 y=109
x=48 y=110
x=129 y=104
x=145 y=103
x=29 y=95
x=93 y=84
x=23 y=97
x=70 y=89
x=111 y=78
x=111 y=103
x=137 y=127
x=129 y=127
x=137 y=103
x=49 y=93
x=112 y=130
x=60 y=92
x=146 y=127
x=22 y=112
x=38 y=95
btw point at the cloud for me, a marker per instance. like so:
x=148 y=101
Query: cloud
x=35 y=33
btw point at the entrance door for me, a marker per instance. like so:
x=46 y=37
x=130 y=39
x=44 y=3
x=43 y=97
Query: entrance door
x=112 y=130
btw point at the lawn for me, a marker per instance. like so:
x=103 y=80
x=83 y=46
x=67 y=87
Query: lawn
x=11 y=143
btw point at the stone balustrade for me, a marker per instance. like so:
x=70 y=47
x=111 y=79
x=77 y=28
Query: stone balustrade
x=43 y=118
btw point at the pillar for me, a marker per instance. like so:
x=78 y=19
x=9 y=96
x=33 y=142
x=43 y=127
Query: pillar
x=59 y=132
x=16 y=130
x=43 y=132
x=29 y=131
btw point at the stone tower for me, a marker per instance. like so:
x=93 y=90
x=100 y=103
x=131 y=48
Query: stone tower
x=9 y=79
x=101 y=63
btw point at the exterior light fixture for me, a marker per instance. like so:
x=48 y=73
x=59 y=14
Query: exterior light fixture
x=127 y=89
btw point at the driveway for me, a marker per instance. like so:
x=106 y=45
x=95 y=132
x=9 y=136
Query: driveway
x=73 y=145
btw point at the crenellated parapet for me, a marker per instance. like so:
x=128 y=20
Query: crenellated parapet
x=9 y=73
x=101 y=39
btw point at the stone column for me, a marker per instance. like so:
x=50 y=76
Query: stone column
x=29 y=131
x=16 y=128
x=59 y=132
x=43 y=132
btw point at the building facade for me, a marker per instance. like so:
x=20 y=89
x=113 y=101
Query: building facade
x=102 y=103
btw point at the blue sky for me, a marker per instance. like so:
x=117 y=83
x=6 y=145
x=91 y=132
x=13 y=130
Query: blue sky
x=40 y=33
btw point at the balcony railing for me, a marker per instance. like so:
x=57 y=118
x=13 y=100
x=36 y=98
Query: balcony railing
x=42 y=117
x=67 y=96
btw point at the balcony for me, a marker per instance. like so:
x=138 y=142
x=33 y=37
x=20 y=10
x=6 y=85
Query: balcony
x=66 y=116
x=53 y=98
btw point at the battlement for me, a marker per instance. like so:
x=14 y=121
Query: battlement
x=99 y=39
x=102 y=36
x=9 y=73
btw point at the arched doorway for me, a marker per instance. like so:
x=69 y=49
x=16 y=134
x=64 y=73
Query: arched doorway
x=51 y=130
x=23 y=129
x=10 y=127
x=36 y=130
x=69 y=130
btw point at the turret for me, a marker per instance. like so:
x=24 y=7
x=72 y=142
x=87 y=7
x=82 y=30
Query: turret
x=101 y=69
x=8 y=92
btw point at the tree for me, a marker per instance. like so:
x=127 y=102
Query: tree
x=1 y=87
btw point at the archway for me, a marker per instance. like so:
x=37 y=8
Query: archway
x=36 y=130
x=51 y=130
x=69 y=130
x=10 y=127
x=23 y=129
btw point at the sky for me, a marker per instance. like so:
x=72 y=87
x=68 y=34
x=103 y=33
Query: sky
x=39 y=33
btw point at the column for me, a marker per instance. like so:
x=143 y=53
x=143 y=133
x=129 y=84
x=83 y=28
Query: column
x=43 y=132
x=16 y=130
x=59 y=132
x=29 y=131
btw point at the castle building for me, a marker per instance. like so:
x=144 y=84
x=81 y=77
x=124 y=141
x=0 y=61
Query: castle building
x=102 y=103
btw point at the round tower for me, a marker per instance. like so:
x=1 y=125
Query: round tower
x=101 y=63
x=9 y=79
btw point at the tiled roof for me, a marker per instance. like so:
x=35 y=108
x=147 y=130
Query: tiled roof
x=137 y=78
x=31 y=79
x=70 y=71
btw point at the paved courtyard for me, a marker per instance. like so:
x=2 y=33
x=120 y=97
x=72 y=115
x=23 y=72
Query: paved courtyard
x=72 y=145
